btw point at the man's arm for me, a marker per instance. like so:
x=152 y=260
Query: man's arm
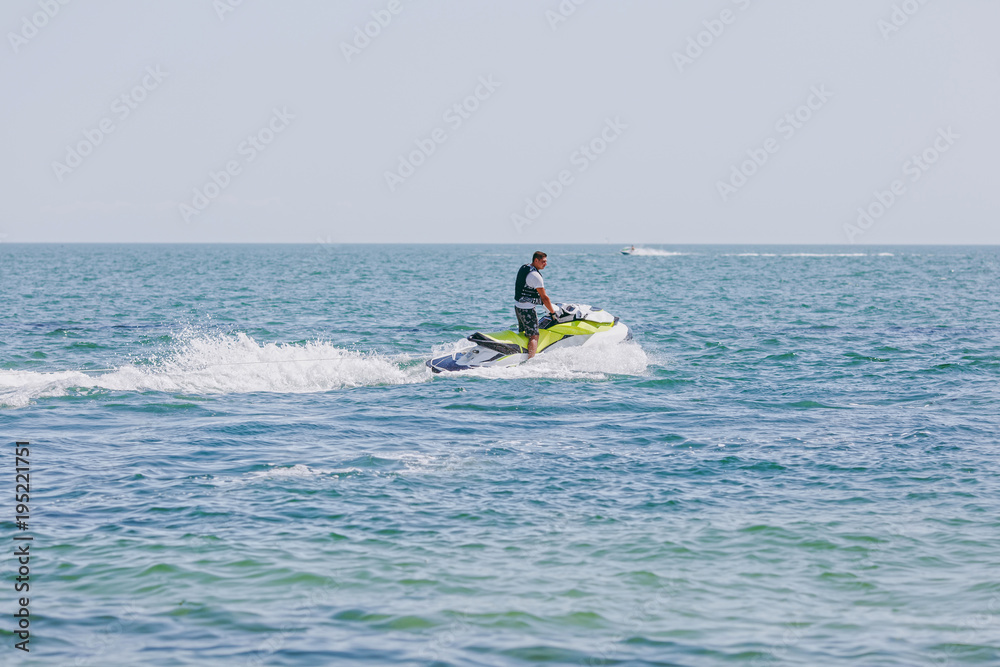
x=545 y=299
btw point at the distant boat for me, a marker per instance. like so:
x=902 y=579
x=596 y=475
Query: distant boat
x=628 y=250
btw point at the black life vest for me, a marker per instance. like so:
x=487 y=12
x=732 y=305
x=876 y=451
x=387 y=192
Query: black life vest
x=523 y=293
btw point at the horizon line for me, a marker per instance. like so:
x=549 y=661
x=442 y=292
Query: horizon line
x=494 y=243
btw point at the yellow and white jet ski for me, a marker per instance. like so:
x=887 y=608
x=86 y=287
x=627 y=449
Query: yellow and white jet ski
x=574 y=324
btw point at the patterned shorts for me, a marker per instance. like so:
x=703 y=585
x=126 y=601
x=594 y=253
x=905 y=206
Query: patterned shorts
x=527 y=321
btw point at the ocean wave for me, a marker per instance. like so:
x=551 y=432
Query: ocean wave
x=237 y=364
x=223 y=364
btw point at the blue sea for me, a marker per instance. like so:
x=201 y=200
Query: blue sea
x=238 y=457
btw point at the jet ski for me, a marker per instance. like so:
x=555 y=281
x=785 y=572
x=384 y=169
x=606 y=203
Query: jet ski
x=574 y=325
x=628 y=250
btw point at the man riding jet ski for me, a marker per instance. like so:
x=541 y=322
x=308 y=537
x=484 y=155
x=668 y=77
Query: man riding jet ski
x=529 y=291
x=564 y=326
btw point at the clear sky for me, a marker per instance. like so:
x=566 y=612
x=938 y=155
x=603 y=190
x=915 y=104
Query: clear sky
x=528 y=121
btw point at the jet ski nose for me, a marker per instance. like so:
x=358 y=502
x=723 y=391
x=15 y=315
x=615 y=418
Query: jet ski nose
x=442 y=364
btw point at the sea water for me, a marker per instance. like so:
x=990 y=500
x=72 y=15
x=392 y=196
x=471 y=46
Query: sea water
x=238 y=457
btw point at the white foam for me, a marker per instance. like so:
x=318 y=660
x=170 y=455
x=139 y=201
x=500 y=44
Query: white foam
x=278 y=473
x=825 y=254
x=445 y=349
x=298 y=470
x=19 y=388
x=410 y=462
x=236 y=364
x=593 y=362
x=224 y=364
x=806 y=254
x=656 y=252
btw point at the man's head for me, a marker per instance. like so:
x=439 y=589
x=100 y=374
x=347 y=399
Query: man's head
x=538 y=260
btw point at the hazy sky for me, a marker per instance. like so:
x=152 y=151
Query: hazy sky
x=531 y=121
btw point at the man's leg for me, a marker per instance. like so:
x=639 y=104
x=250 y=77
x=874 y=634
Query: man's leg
x=527 y=324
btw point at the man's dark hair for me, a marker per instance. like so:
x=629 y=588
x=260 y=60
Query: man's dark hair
x=538 y=255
